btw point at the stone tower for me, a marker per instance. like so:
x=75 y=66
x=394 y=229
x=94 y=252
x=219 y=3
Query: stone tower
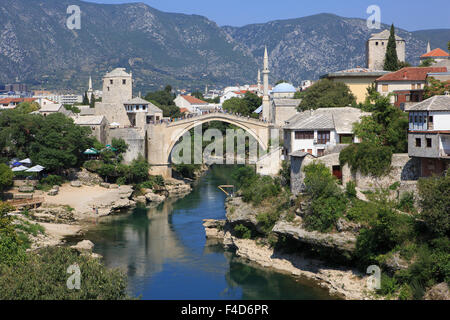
x=117 y=86
x=377 y=46
x=266 y=100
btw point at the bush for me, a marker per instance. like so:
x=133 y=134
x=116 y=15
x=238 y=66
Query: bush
x=267 y=220
x=6 y=177
x=369 y=158
x=93 y=165
x=52 y=180
x=262 y=187
x=319 y=181
x=434 y=196
x=324 y=213
x=44 y=276
x=242 y=232
x=187 y=170
x=406 y=202
x=350 y=190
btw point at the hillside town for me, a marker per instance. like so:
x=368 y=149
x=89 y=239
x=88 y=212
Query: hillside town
x=335 y=153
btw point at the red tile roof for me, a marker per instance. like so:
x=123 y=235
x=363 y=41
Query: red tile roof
x=16 y=100
x=411 y=74
x=435 y=53
x=241 y=92
x=194 y=100
x=182 y=110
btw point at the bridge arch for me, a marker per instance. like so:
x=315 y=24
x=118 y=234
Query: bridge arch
x=163 y=137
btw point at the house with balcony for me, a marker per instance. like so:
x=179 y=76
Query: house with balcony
x=429 y=134
x=141 y=112
x=322 y=131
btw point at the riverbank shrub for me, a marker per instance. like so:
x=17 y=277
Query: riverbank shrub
x=43 y=276
x=267 y=220
x=242 y=231
x=186 y=170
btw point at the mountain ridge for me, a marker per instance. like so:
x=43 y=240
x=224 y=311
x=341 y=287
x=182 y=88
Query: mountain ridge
x=184 y=50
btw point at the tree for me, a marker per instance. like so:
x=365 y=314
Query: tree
x=161 y=98
x=139 y=170
x=171 y=111
x=434 y=196
x=92 y=103
x=28 y=107
x=326 y=94
x=120 y=145
x=6 y=177
x=59 y=143
x=85 y=99
x=435 y=87
x=448 y=46
x=391 y=58
x=236 y=105
x=197 y=94
x=427 y=63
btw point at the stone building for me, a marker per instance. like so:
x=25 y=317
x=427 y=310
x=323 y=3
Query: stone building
x=98 y=124
x=376 y=49
x=141 y=112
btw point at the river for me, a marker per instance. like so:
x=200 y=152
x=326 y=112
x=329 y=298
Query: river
x=164 y=252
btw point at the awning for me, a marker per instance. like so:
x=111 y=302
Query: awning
x=114 y=124
x=37 y=168
x=90 y=151
x=259 y=110
x=19 y=169
x=25 y=161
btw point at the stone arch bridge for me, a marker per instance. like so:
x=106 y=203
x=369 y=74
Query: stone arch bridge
x=163 y=137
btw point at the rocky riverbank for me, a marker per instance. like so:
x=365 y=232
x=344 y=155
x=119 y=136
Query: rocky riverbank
x=344 y=282
x=76 y=205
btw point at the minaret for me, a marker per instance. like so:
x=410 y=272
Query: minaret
x=259 y=81
x=266 y=101
x=428 y=47
x=90 y=90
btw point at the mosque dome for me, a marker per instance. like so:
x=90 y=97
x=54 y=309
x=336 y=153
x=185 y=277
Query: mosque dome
x=284 y=88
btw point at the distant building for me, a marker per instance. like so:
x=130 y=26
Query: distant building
x=377 y=46
x=16 y=87
x=438 y=55
x=429 y=134
x=411 y=79
x=98 y=124
x=70 y=99
x=319 y=131
x=11 y=103
x=142 y=112
x=48 y=109
x=357 y=79
x=189 y=102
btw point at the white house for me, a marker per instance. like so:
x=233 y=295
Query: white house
x=429 y=134
x=319 y=131
x=189 y=102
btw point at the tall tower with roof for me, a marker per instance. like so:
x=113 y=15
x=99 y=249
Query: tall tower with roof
x=266 y=100
x=117 y=86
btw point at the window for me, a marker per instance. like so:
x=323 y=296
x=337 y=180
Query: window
x=385 y=88
x=304 y=135
x=429 y=143
x=376 y=43
x=320 y=152
x=111 y=81
x=323 y=137
x=418 y=142
x=430 y=119
x=413 y=86
x=124 y=81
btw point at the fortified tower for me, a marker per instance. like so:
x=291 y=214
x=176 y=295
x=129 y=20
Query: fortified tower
x=117 y=86
x=377 y=46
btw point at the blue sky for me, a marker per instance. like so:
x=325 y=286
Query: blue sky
x=411 y=15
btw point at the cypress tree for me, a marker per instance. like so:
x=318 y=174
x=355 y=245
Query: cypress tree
x=92 y=104
x=391 y=59
x=85 y=99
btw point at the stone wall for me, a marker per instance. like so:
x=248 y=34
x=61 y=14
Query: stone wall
x=135 y=138
x=269 y=164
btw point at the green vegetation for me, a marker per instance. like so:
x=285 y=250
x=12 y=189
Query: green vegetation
x=54 y=142
x=27 y=107
x=435 y=87
x=383 y=133
x=244 y=106
x=327 y=202
x=85 y=99
x=391 y=62
x=6 y=177
x=242 y=232
x=427 y=63
x=326 y=94
x=42 y=275
x=186 y=170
